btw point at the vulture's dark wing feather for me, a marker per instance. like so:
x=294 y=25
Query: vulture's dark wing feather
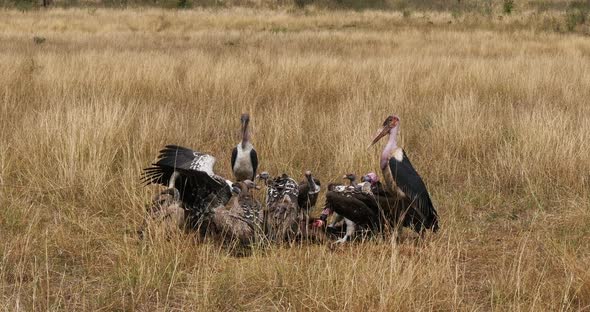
x=358 y=207
x=197 y=183
x=174 y=157
x=410 y=182
x=305 y=199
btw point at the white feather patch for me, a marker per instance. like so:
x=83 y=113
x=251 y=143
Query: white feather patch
x=316 y=190
x=243 y=162
x=340 y=188
x=398 y=154
x=203 y=162
x=366 y=187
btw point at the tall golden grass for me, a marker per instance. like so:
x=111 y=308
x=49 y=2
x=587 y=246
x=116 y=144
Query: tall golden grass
x=495 y=118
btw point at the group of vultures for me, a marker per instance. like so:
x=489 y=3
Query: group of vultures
x=198 y=200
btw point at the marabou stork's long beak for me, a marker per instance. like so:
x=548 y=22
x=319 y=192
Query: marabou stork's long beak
x=380 y=133
x=389 y=123
x=245 y=120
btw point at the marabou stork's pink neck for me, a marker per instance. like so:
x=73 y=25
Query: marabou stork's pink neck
x=389 y=148
x=245 y=134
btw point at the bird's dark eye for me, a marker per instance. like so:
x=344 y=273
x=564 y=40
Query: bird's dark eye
x=387 y=121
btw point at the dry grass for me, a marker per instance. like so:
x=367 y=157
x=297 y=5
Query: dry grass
x=495 y=117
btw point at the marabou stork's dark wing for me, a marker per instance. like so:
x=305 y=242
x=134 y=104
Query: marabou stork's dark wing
x=254 y=159
x=197 y=183
x=234 y=156
x=389 y=206
x=409 y=181
x=359 y=207
x=305 y=199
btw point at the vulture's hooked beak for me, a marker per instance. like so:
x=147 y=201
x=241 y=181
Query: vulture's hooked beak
x=236 y=189
x=251 y=185
x=309 y=177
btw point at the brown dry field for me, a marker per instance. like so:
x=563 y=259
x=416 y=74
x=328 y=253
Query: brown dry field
x=495 y=117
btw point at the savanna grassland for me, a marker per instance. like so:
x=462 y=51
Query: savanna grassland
x=495 y=116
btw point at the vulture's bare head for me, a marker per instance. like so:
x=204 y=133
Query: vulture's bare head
x=391 y=122
x=370 y=177
x=243 y=188
x=349 y=176
x=249 y=184
x=236 y=189
x=264 y=176
x=310 y=179
x=166 y=197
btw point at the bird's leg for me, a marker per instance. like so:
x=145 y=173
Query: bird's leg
x=350 y=229
x=173 y=178
x=337 y=219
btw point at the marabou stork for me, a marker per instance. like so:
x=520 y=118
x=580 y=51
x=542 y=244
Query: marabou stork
x=199 y=189
x=282 y=211
x=240 y=220
x=417 y=210
x=244 y=160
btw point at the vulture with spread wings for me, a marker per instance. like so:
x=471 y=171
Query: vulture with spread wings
x=200 y=190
